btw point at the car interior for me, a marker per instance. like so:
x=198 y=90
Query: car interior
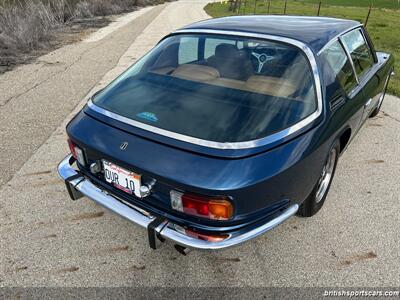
x=282 y=73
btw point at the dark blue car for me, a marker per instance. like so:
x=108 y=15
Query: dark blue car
x=227 y=127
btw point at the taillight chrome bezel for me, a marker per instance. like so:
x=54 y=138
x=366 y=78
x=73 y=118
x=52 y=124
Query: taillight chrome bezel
x=212 y=208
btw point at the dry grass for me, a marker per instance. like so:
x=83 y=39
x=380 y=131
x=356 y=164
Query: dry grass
x=28 y=25
x=23 y=28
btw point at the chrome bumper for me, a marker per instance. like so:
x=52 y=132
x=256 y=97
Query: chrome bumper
x=164 y=229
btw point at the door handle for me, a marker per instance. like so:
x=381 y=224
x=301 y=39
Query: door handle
x=368 y=103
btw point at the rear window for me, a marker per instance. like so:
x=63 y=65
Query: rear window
x=221 y=89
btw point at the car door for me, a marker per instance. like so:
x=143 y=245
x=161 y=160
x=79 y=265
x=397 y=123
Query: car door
x=363 y=60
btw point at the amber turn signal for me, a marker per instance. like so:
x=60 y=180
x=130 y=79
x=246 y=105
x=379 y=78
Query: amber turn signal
x=202 y=206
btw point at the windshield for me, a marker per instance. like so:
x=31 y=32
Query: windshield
x=216 y=88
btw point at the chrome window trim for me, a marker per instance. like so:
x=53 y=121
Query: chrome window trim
x=335 y=38
x=350 y=59
x=339 y=38
x=234 y=145
x=370 y=52
x=347 y=54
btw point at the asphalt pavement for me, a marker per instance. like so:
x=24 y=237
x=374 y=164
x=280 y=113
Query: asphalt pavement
x=48 y=240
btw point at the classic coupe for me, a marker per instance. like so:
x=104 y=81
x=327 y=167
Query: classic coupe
x=227 y=127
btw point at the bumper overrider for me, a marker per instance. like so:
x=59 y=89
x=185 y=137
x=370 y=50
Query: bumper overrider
x=159 y=228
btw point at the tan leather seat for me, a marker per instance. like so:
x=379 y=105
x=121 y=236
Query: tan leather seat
x=269 y=85
x=229 y=83
x=258 y=84
x=196 y=72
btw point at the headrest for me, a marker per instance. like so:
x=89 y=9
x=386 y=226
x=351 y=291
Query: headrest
x=227 y=51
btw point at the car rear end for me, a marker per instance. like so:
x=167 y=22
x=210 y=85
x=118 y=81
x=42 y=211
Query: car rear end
x=196 y=201
x=194 y=152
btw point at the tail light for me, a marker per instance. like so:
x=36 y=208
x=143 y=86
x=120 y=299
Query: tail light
x=72 y=148
x=201 y=206
x=76 y=152
x=201 y=236
x=206 y=237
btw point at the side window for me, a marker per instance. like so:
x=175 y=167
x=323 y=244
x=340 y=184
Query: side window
x=188 y=50
x=359 y=51
x=212 y=43
x=341 y=66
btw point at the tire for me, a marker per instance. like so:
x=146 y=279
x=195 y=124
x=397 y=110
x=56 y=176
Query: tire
x=375 y=112
x=317 y=197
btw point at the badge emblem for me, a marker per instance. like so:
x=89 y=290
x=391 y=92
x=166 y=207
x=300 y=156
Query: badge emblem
x=123 y=146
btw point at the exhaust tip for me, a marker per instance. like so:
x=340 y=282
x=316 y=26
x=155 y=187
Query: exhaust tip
x=182 y=250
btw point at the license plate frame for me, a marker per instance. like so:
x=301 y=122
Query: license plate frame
x=121 y=178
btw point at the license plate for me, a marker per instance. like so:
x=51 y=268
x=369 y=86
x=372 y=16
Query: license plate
x=121 y=178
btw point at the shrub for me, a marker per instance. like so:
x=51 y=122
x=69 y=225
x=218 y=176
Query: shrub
x=27 y=24
x=83 y=10
x=24 y=27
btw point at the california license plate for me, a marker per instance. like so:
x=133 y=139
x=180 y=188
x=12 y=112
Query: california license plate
x=121 y=178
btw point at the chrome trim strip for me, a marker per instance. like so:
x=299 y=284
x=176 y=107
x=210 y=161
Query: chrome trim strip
x=166 y=229
x=234 y=145
x=367 y=43
x=202 y=142
x=350 y=59
x=336 y=37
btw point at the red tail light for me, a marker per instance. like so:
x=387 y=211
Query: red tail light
x=206 y=237
x=72 y=149
x=201 y=235
x=211 y=208
x=76 y=152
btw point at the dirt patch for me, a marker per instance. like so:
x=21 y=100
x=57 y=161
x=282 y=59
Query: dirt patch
x=390 y=117
x=375 y=161
x=69 y=270
x=357 y=258
x=21 y=268
x=136 y=268
x=229 y=259
x=116 y=249
x=88 y=216
x=38 y=173
x=79 y=29
x=47 y=183
x=374 y=125
x=50 y=236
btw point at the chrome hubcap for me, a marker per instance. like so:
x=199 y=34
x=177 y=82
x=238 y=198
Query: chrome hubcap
x=326 y=176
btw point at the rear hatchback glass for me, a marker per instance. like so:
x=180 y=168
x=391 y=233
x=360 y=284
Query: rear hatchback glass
x=216 y=88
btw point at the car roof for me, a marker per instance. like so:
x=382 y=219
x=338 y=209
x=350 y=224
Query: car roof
x=316 y=32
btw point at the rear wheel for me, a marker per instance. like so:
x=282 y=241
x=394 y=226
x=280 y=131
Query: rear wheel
x=317 y=197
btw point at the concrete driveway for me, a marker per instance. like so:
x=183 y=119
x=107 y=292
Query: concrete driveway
x=48 y=240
